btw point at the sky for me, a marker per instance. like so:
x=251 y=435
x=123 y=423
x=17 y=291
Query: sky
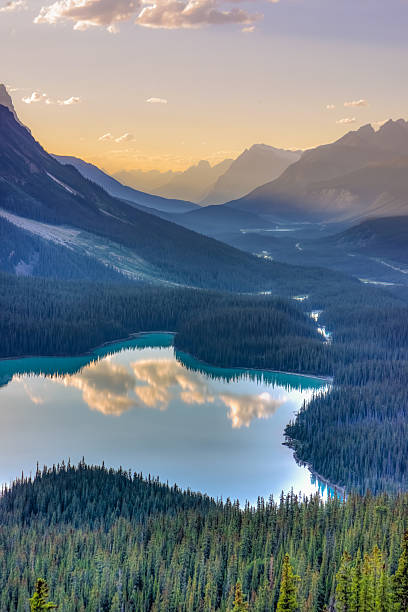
x=164 y=83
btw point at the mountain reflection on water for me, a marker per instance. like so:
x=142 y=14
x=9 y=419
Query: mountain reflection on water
x=211 y=429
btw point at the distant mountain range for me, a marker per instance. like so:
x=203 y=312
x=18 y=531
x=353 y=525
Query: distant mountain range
x=144 y=180
x=361 y=174
x=191 y=184
x=206 y=184
x=195 y=182
x=116 y=189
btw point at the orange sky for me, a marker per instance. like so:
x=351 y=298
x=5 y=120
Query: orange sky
x=168 y=89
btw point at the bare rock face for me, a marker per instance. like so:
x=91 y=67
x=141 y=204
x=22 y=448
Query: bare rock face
x=5 y=100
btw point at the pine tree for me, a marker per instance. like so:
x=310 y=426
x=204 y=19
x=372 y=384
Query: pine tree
x=366 y=599
x=240 y=605
x=38 y=602
x=400 y=582
x=287 y=601
x=343 y=587
x=355 y=585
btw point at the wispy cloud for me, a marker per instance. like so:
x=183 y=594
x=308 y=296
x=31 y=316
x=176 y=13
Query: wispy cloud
x=38 y=96
x=156 y=101
x=14 y=5
x=330 y=106
x=35 y=97
x=108 y=137
x=125 y=138
x=168 y=14
x=356 y=103
x=69 y=101
x=346 y=120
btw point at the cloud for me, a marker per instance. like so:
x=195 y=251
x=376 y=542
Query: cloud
x=156 y=101
x=356 y=103
x=173 y=14
x=330 y=106
x=35 y=97
x=69 y=101
x=14 y=5
x=346 y=120
x=89 y=13
x=168 y=14
x=125 y=138
x=248 y=29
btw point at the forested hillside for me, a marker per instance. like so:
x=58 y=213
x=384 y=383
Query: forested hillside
x=113 y=541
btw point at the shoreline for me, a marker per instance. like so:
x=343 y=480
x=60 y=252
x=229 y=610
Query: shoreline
x=328 y=379
x=135 y=335
x=90 y=351
x=308 y=465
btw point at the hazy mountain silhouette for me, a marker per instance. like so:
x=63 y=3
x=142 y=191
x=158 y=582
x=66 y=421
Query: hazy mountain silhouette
x=327 y=183
x=254 y=167
x=193 y=183
x=144 y=180
x=116 y=189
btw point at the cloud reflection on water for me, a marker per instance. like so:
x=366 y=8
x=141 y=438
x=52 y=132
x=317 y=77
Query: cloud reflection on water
x=113 y=388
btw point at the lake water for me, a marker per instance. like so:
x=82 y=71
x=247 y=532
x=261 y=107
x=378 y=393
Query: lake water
x=140 y=405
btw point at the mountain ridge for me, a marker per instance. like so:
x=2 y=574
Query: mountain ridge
x=255 y=166
x=296 y=194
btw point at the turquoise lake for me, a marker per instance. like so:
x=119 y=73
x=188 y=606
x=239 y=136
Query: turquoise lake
x=140 y=405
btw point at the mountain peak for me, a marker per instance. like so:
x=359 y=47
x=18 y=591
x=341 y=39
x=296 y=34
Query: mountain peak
x=5 y=100
x=394 y=125
x=366 y=129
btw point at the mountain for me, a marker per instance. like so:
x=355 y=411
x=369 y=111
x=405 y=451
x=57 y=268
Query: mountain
x=193 y=183
x=54 y=203
x=323 y=186
x=5 y=100
x=144 y=180
x=116 y=189
x=254 y=167
x=381 y=237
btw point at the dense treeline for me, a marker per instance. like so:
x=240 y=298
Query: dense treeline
x=109 y=541
x=267 y=334
x=357 y=436
x=42 y=317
